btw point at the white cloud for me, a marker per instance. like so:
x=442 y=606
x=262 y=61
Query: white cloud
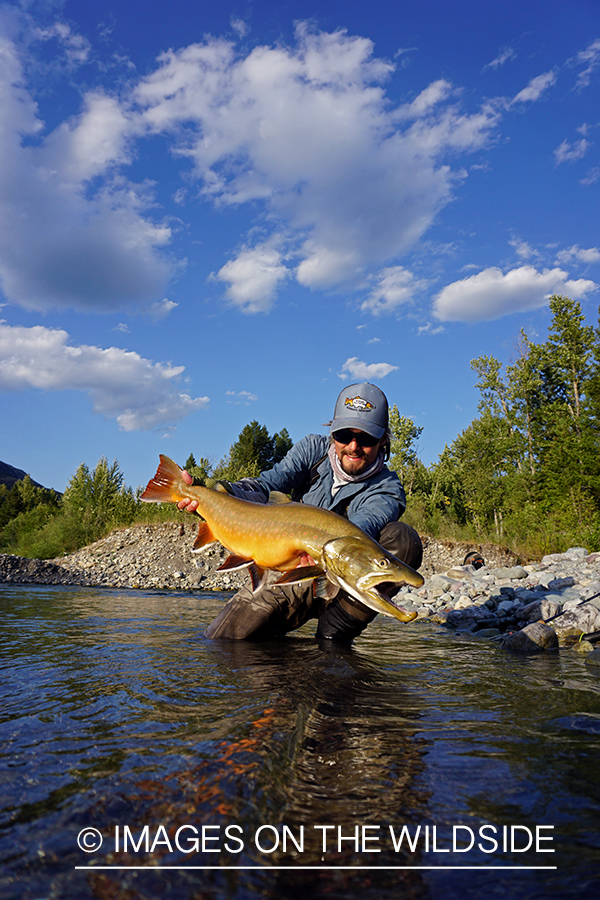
x=307 y=132
x=239 y=26
x=431 y=96
x=570 y=153
x=394 y=287
x=491 y=294
x=74 y=232
x=253 y=278
x=522 y=248
x=324 y=268
x=591 y=255
x=536 y=88
x=76 y=48
x=354 y=368
x=241 y=397
x=592 y=176
x=91 y=143
x=429 y=329
x=138 y=393
x=504 y=55
x=590 y=58
x=162 y=308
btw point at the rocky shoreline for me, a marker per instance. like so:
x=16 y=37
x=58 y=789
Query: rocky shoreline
x=527 y=607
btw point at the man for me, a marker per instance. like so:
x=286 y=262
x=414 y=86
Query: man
x=347 y=474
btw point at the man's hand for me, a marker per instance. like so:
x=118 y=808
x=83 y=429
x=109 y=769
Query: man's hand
x=305 y=560
x=187 y=503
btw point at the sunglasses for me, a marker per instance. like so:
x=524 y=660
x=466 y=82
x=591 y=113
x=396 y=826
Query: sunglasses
x=346 y=436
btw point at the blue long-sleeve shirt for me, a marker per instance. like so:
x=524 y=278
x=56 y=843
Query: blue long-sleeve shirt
x=370 y=504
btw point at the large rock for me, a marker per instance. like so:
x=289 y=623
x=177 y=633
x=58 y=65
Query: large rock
x=581 y=620
x=533 y=638
x=538 y=609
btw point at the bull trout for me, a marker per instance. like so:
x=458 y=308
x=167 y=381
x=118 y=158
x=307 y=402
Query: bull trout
x=280 y=534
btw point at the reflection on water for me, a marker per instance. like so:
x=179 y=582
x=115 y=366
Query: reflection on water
x=265 y=765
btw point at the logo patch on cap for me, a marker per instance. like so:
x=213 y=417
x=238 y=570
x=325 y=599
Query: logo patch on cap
x=357 y=404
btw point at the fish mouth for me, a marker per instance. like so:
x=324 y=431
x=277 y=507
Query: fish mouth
x=386 y=592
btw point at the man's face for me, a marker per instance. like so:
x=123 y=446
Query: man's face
x=355 y=455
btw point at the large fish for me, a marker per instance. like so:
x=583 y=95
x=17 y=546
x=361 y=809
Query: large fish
x=279 y=535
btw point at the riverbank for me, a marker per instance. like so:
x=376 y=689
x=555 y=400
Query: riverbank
x=529 y=607
x=159 y=557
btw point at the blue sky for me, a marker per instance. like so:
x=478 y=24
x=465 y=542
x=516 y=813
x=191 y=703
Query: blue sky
x=214 y=213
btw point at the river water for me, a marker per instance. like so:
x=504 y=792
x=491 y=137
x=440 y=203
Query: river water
x=416 y=764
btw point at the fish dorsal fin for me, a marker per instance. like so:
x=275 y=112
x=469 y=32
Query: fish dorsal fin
x=300 y=573
x=277 y=498
x=220 y=487
x=205 y=537
x=234 y=561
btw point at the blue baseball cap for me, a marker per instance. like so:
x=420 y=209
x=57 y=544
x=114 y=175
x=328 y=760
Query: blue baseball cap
x=361 y=406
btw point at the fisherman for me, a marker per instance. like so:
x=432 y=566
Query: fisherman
x=346 y=473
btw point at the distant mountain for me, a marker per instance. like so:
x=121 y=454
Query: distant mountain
x=8 y=475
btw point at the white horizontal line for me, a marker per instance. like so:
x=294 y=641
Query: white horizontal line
x=348 y=868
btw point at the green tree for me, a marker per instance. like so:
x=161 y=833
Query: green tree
x=486 y=458
x=24 y=509
x=565 y=430
x=200 y=471
x=96 y=501
x=254 y=452
x=282 y=443
x=403 y=450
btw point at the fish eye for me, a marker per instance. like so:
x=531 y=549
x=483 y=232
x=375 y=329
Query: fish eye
x=383 y=563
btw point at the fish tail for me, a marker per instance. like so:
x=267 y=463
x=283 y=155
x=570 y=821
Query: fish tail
x=165 y=487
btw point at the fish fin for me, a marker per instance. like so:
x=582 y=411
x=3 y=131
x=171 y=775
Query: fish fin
x=325 y=588
x=234 y=562
x=204 y=538
x=300 y=573
x=277 y=498
x=258 y=576
x=220 y=487
x=160 y=489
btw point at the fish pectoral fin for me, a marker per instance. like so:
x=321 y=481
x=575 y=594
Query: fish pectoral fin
x=204 y=538
x=258 y=576
x=325 y=588
x=300 y=573
x=234 y=562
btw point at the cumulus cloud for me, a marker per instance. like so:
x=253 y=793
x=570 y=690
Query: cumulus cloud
x=162 y=308
x=307 y=132
x=491 y=294
x=138 y=393
x=394 y=287
x=522 y=248
x=591 y=255
x=75 y=233
x=354 y=368
x=253 y=277
x=536 y=88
